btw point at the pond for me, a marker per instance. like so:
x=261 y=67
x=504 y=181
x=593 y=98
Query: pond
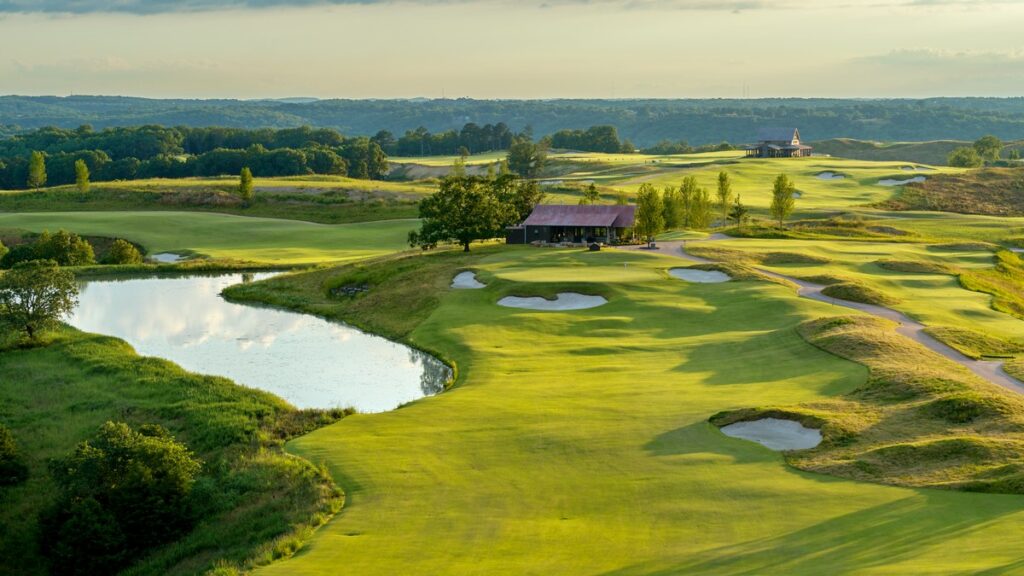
x=308 y=361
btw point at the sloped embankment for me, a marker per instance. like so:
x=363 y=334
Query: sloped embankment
x=919 y=420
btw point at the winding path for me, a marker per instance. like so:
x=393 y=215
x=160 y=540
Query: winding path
x=988 y=369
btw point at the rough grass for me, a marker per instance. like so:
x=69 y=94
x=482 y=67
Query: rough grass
x=1005 y=282
x=915 y=266
x=254 y=496
x=858 y=292
x=975 y=344
x=920 y=420
x=330 y=200
x=989 y=191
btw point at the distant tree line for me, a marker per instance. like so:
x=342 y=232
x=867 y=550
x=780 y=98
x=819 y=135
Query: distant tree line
x=644 y=121
x=603 y=138
x=665 y=147
x=986 y=151
x=471 y=139
x=54 y=156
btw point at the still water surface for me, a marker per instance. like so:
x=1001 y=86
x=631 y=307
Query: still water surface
x=308 y=361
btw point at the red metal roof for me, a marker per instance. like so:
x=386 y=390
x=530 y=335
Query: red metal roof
x=572 y=215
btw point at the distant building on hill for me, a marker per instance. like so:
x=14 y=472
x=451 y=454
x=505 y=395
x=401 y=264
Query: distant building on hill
x=778 y=143
x=562 y=223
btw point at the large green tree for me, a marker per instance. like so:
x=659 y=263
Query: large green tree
x=672 y=205
x=526 y=158
x=65 y=248
x=35 y=295
x=783 y=199
x=470 y=208
x=650 y=215
x=36 y=170
x=688 y=191
x=989 y=148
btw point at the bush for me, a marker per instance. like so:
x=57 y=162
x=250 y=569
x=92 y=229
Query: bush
x=65 y=248
x=123 y=252
x=122 y=493
x=3 y=251
x=12 y=465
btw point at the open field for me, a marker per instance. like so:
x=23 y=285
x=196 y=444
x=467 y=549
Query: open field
x=265 y=240
x=558 y=465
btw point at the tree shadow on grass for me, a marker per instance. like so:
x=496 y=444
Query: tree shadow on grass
x=875 y=537
x=704 y=438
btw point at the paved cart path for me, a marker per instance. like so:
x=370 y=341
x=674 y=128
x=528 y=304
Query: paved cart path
x=991 y=370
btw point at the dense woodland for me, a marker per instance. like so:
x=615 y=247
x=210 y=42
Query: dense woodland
x=159 y=152
x=644 y=122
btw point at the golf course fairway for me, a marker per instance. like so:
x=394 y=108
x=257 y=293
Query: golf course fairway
x=578 y=443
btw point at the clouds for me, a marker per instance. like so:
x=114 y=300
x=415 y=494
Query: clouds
x=144 y=7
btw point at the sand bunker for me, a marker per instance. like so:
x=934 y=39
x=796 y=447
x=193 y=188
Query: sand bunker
x=798 y=194
x=166 y=258
x=564 y=301
x=699 y=276
x=831 y=176
x=775 y=433
x=895 y=182
x=467 y=281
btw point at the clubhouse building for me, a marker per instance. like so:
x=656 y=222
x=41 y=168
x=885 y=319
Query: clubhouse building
x=778 y=143
x=572 y=224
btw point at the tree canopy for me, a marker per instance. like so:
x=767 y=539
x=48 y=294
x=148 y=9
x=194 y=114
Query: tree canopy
x=470 y=208
x=965 y=157
x=35 y=295
x=650 y=218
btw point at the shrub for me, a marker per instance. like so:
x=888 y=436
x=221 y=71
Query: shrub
x=3 y=251
x=124 y=491
x=12 y=465
x=17 y=254
x=123 y=252
x=64 y=248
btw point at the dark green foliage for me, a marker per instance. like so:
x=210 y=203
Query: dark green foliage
x=594 y=139
x=35 y=295
x=122 y=252
x=12 y=465
x=472 y=137
x=65 y=248
x=122 y=492
x=526 y=158
x=965 y=157
x=470 y=208
x=989 y=148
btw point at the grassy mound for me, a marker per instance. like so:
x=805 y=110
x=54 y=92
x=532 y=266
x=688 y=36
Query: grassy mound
x=920 y=420
x=991 y=191
x=335 y=203
x=975 y=344
x=915 y=266
x=932 y=152
x=257 y=503
x=1005 y=282
x=857 y=292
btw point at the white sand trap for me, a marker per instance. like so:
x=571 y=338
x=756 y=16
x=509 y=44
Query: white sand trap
x=775 y=433
x=166 y=258
x=564 y=301
x=907 y=168
x=699 y=276
x=895 y=182
x=467 y=281
x=831 y=176
x=798 y=194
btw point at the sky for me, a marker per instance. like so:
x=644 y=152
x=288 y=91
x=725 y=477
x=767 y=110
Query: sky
x=512 y=48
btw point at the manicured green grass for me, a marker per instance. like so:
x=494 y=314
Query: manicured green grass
x=265 y=240
x=259 y=502
x=578 y=442
x=933 y=298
